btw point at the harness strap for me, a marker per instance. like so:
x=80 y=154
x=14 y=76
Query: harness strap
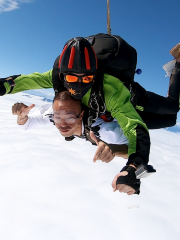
x=96 y=101
x=97 y=107
x=87 y=134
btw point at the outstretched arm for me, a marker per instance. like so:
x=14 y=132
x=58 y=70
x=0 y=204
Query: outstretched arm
x=117 y=100
x=25 y=82
x=26 y=120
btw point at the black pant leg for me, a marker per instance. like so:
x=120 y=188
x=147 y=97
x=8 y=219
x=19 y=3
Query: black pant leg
x=157 y=121
x=154 y=103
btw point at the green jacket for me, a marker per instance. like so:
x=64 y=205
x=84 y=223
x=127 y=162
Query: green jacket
x=31 y=81
x=117 y=99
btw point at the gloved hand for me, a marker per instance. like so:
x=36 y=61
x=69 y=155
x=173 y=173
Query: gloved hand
x=2 y=89
x=129 y=179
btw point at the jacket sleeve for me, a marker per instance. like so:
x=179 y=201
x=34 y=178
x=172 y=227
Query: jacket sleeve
x=31 y=81
x=117 y=99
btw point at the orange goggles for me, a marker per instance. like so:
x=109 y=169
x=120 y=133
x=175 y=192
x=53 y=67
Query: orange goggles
x=84 y=79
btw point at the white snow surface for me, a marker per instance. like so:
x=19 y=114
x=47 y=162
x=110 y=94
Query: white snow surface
x=50 y=189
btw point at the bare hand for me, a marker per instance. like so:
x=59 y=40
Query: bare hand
x=21 y=109
x=103 y=152
x=122 y=187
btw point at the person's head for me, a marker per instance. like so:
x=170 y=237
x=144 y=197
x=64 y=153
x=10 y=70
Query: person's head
x=68 y=114
x=78 y=66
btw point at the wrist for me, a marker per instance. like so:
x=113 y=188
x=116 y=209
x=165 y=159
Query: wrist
x=22 y=118
x=132 y=165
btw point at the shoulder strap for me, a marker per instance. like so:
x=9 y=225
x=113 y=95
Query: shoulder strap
x=57 y=83
x=87 y=134
x=96 y=101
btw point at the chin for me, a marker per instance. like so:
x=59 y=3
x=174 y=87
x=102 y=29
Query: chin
x=66 y=134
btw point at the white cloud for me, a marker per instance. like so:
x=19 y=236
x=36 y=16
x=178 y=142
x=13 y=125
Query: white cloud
x=51 y=189
x=9 y=5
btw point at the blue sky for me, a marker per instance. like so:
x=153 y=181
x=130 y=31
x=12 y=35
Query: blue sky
x=33 y=33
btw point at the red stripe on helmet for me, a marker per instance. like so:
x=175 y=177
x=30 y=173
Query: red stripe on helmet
x=61 y=56
x=71 y=58
x=95 y=57
x=87 y=60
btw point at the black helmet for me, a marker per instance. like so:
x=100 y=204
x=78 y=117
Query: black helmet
x=77 y=57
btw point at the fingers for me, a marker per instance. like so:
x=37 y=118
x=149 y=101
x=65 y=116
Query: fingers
x=24 y=111
x=17 y=107
x=125 y=189
x=103 y=153
x=108 y=157
x=131 y=192
x=98 y=151
x=124 y=173
x=31 y=106
x=122 y=187
x=21 y=109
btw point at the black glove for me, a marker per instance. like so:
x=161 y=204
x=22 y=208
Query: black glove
x=130 y=179
x=2 y=89
x=11 y=82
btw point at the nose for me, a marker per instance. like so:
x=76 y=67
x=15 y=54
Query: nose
x=63 y=123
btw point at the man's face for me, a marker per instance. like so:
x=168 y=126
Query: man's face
x=64 y=111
